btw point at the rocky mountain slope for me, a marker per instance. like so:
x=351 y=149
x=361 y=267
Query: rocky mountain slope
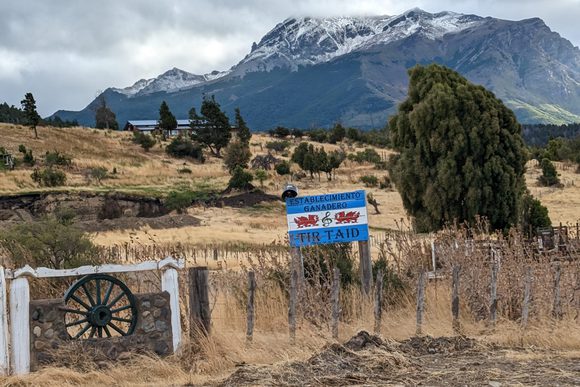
x=317 y=71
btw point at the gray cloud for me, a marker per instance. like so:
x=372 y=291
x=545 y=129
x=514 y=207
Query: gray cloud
x=64 y=51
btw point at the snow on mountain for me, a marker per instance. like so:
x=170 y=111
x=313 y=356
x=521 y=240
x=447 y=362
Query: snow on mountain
x=170 y=81
x=309 y=41
x=135 y=88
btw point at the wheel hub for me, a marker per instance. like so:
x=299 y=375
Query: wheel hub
x=99 y=316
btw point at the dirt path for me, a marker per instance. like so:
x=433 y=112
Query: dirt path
x=455 y=361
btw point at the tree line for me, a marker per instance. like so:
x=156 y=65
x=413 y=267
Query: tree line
x=11 y=114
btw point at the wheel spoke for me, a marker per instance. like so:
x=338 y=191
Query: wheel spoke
x=120 y=309
x=107 y=331
x=91 y=301
x=116 y=299
x=100 y=330
x=80 y=302
x=71 y=324
x=108 y=293
x=117 y=329
x=92 y=334
x=121 y=319
x=82 y=331
x=68 y=310
x=98 y=286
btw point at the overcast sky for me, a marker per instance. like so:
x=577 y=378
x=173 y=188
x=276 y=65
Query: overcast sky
x=66 y=51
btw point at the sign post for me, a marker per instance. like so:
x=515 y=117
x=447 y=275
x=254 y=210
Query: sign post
x=331 y=218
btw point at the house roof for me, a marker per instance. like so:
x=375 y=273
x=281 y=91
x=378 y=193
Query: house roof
x=154 y=122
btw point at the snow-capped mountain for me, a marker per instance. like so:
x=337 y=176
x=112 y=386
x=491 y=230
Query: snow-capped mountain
x=310 y=41
x=309 y=72
x=170 y=81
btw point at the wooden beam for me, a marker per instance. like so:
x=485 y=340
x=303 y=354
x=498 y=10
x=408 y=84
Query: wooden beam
x=43 y=272
x=170 y=284
x=199 y=310
x=20 y=325
x=366 y=268
x=4 y=353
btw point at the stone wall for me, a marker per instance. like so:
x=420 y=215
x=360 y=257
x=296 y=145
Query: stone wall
x=49 y=338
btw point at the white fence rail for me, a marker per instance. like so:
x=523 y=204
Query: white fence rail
x=19 y=332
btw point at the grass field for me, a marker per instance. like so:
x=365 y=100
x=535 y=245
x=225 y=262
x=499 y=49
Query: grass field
x=547 y=352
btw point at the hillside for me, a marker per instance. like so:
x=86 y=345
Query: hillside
x=314 y=72
x=154 y=174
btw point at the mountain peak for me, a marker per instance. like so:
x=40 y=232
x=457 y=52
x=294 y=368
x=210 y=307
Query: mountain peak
x=307 y=41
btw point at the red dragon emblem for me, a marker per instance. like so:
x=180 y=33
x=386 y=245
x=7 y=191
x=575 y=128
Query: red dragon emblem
x=347 y=217
x=306 y=221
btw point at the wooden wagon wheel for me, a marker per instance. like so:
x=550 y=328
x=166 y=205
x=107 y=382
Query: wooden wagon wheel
x=98 y=305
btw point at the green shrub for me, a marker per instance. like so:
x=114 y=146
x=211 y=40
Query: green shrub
x=49 y=177
x=386 y=183
x=369 y=155
x=277 y=146
x=237 y=154
x=280 y=132
x=394 y=288
x=261 y=175
x=184 y=170
x=283 y=168
x=240 y=179
x=52 y=159
x=179 y=200
x=534 y=215
x=98 y=173
x=49 y=243
x=369 y=180
x=183 y=147
x=549 y=175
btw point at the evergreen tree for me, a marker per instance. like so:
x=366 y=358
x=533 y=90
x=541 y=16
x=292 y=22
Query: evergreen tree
x=534 y=215
x=461 y=152
x=104 y=117
x=167 y=121
x=31 y=117
x=244 y=133
x=549 y=175
x=214 y=131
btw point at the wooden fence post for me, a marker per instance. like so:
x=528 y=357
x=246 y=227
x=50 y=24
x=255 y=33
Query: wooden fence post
x=335 y=300
x=420 y=303
x=20 y=325
x=493 y=305
x=527 y=295
x=455 y=299
x=366 y=268
x=557 y=306
x=297 y=264
x=378 y=301
x=250 y=308
x=199 y=310
x=170 y=284
x=292 y=307
x=4 y=354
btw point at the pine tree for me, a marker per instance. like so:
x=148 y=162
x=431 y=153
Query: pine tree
x=30 y=115
x=104 y=117
x=214 y=131
x=461 y=152
x=244 y=133
x=167 y=121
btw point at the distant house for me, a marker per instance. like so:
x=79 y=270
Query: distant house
x=148 y=126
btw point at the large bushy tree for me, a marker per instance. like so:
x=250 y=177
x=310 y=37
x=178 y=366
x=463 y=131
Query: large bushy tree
x=213 y=127
x=31 y=116
x=105 y=118
x=461 y=152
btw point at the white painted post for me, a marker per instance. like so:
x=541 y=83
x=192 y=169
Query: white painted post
x=20 y=325
x=4 y=354
x=170 y=284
